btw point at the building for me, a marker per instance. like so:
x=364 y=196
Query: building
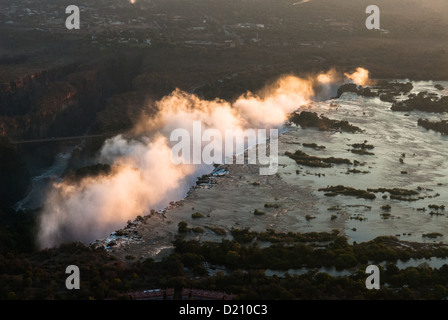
x=198 y=294
x=154 y=294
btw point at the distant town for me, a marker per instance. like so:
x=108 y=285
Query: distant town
x=140 y=24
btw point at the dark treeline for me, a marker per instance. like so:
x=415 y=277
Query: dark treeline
x=28 y=273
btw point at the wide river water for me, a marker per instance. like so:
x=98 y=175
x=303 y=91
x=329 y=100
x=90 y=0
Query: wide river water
x=392 y=134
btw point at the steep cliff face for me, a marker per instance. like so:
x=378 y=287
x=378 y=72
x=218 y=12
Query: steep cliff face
x=65 y=100
x=50 y=103
x=15 y=178
x=17 y=97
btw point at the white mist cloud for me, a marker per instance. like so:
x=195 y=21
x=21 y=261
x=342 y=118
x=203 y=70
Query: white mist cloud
x=359 y=77
x=143 y=175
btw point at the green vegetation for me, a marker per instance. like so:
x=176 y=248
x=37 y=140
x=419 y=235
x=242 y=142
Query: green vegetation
x=394 y=197
x=347 y=191
x=358 y=163
x=17 y=232
x=385 y=215
x=15 y=178
x=308 y=119
x=432 y=235
x=245 y=235
x=362 y=152
x=357 y=171
x=198 y=230
x=182 y=227
x=38 y=275
x=423 y=101
x=217 y=230
x=387 y=97
x=89 y=171
x=203 y=179
x=439 y=126
x=412 y=284
x=272 y=205
x=353 y=88
x=397 y=193
x=309 y=217
x=361 y=148
x=358 y=217
x=394 y=191
x=436 y=207
x=285 y=255
x=313 y=146
x=386 y=91
x=302 y=158
x=258 y=212
x=128 y=83
x=197 y=215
